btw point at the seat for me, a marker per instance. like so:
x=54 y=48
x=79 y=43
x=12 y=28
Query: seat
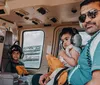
x=7 y=44
x=5 y=77
x=8 y=78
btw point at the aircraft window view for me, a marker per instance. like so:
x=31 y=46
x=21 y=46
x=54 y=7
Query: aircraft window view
x=32 y=47
x=49 y=42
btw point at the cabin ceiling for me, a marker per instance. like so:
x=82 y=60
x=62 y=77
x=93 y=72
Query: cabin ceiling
x=36 y=12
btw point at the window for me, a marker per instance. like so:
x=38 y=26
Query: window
x=85 y=37
x=32 y=48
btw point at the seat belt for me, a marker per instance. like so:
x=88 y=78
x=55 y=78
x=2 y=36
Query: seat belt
x=58 y=74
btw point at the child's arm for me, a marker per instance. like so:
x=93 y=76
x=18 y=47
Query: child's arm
x=72 y=61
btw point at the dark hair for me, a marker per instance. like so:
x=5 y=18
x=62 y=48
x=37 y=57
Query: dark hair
x=85 y=2
x=15 y=48
x=70 y=30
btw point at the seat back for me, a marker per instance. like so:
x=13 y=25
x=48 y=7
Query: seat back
x=2 y=38
x=5 y=56
x=8 y=79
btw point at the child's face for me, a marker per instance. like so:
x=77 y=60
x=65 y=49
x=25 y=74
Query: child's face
x=16 y=55
x=66 y=39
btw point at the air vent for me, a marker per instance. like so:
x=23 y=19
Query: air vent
x=4 y=10
x=26 y=18
x=19 y=14
x=23 y=12
x=53 y=19
x=20 y=26
x=47 y=25
x=42 y=10
x=35 y=22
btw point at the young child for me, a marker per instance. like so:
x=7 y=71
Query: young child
x=71 y=43
x=15 y=53
x=15 y=65
x=71 y=39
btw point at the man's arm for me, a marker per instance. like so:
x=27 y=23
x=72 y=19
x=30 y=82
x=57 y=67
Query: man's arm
x=95 y=78
x=42 y=80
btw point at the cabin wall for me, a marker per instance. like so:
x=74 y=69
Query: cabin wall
x=2 y=33
x=50 y=41
x=48 y=38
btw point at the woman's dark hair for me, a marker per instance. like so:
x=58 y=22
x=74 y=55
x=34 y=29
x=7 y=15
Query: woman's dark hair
x=70 y=30
x=85 y=2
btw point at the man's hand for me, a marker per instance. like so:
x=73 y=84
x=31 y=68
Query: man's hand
x=42 y=79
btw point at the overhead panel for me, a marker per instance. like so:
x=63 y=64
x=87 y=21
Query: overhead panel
x=4 y=10
x=29 y=3
x=2 y=2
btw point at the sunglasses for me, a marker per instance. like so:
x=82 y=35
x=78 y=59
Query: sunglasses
x=91 y=14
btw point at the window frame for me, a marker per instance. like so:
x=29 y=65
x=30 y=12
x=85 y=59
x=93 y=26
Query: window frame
x=41 y=48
